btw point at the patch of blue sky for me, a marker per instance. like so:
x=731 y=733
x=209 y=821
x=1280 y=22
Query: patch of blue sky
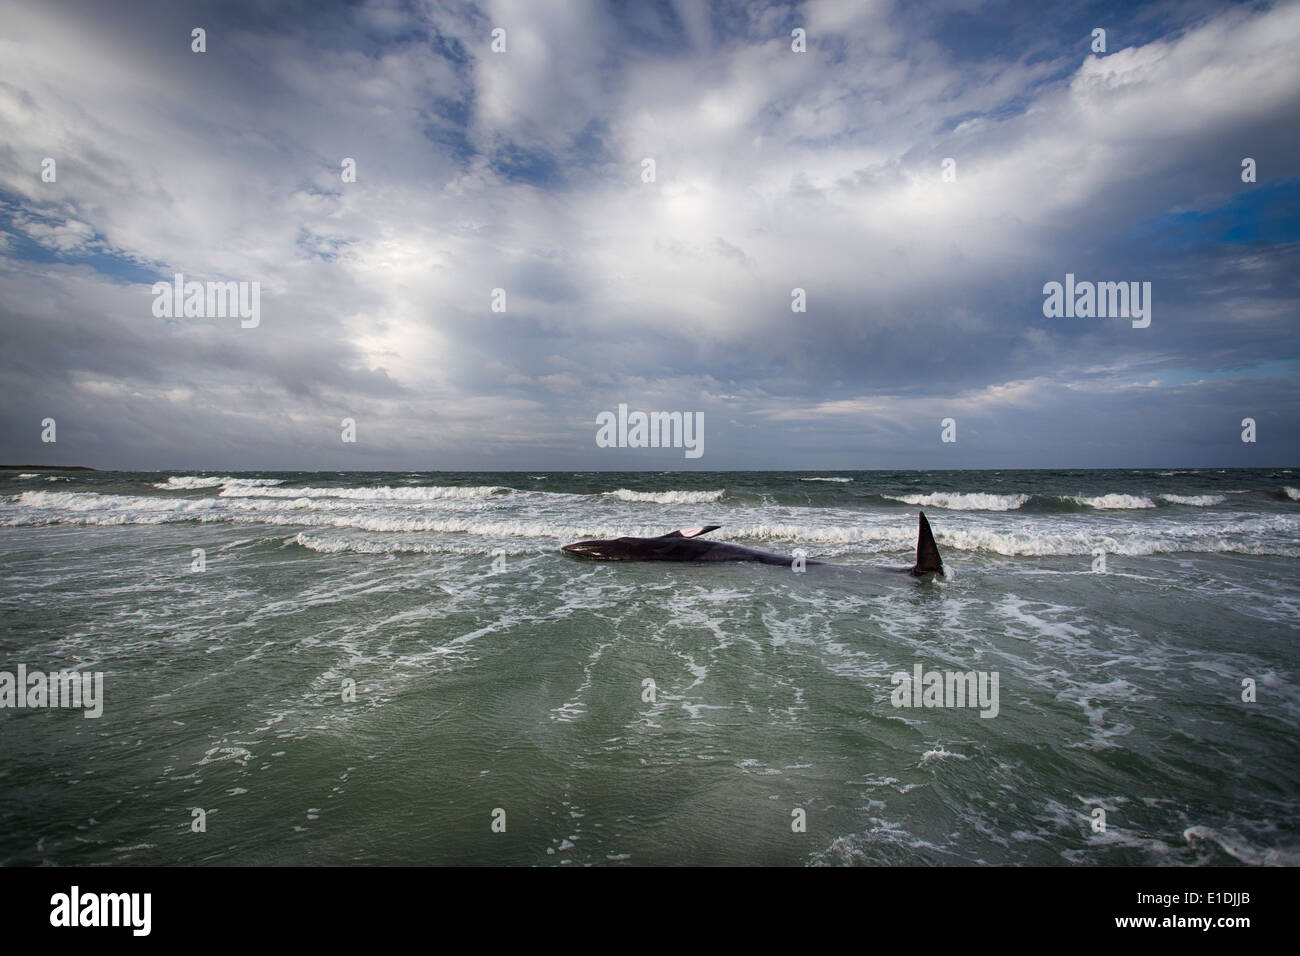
x=95 y=251
x=1260 y=213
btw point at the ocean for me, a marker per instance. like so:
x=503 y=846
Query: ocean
x=310 y=668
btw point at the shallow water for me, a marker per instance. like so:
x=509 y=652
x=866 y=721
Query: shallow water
x=522 y=689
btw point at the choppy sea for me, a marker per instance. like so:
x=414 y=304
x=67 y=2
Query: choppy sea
x=334 y=668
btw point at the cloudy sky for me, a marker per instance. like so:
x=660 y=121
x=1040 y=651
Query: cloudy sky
x=774 y=170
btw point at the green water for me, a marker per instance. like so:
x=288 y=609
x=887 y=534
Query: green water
x=521 y=689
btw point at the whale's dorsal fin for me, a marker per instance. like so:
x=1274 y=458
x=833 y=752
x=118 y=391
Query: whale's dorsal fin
x=927 y=552
x=693 y=532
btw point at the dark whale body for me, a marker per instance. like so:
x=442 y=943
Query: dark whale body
x=688 y=545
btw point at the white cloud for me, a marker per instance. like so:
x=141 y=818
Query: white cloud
x=775 y=170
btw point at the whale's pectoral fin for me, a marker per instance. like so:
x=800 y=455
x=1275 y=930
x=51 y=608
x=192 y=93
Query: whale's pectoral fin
x=927 y=552
x=693 y=532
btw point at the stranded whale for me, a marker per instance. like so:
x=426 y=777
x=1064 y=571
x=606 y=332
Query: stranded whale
x=688 y=545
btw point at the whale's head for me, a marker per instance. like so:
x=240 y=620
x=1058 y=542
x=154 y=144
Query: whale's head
x=673 y=546
x=612 y=550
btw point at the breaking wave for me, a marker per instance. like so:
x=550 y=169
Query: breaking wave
x=963 y=501
x=667 y=497
x=1113 y=502
x=192 y=482
x=1199 y=501
x=382 y=493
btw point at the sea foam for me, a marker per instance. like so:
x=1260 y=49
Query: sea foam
x=667 y=497
x=963 y=501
